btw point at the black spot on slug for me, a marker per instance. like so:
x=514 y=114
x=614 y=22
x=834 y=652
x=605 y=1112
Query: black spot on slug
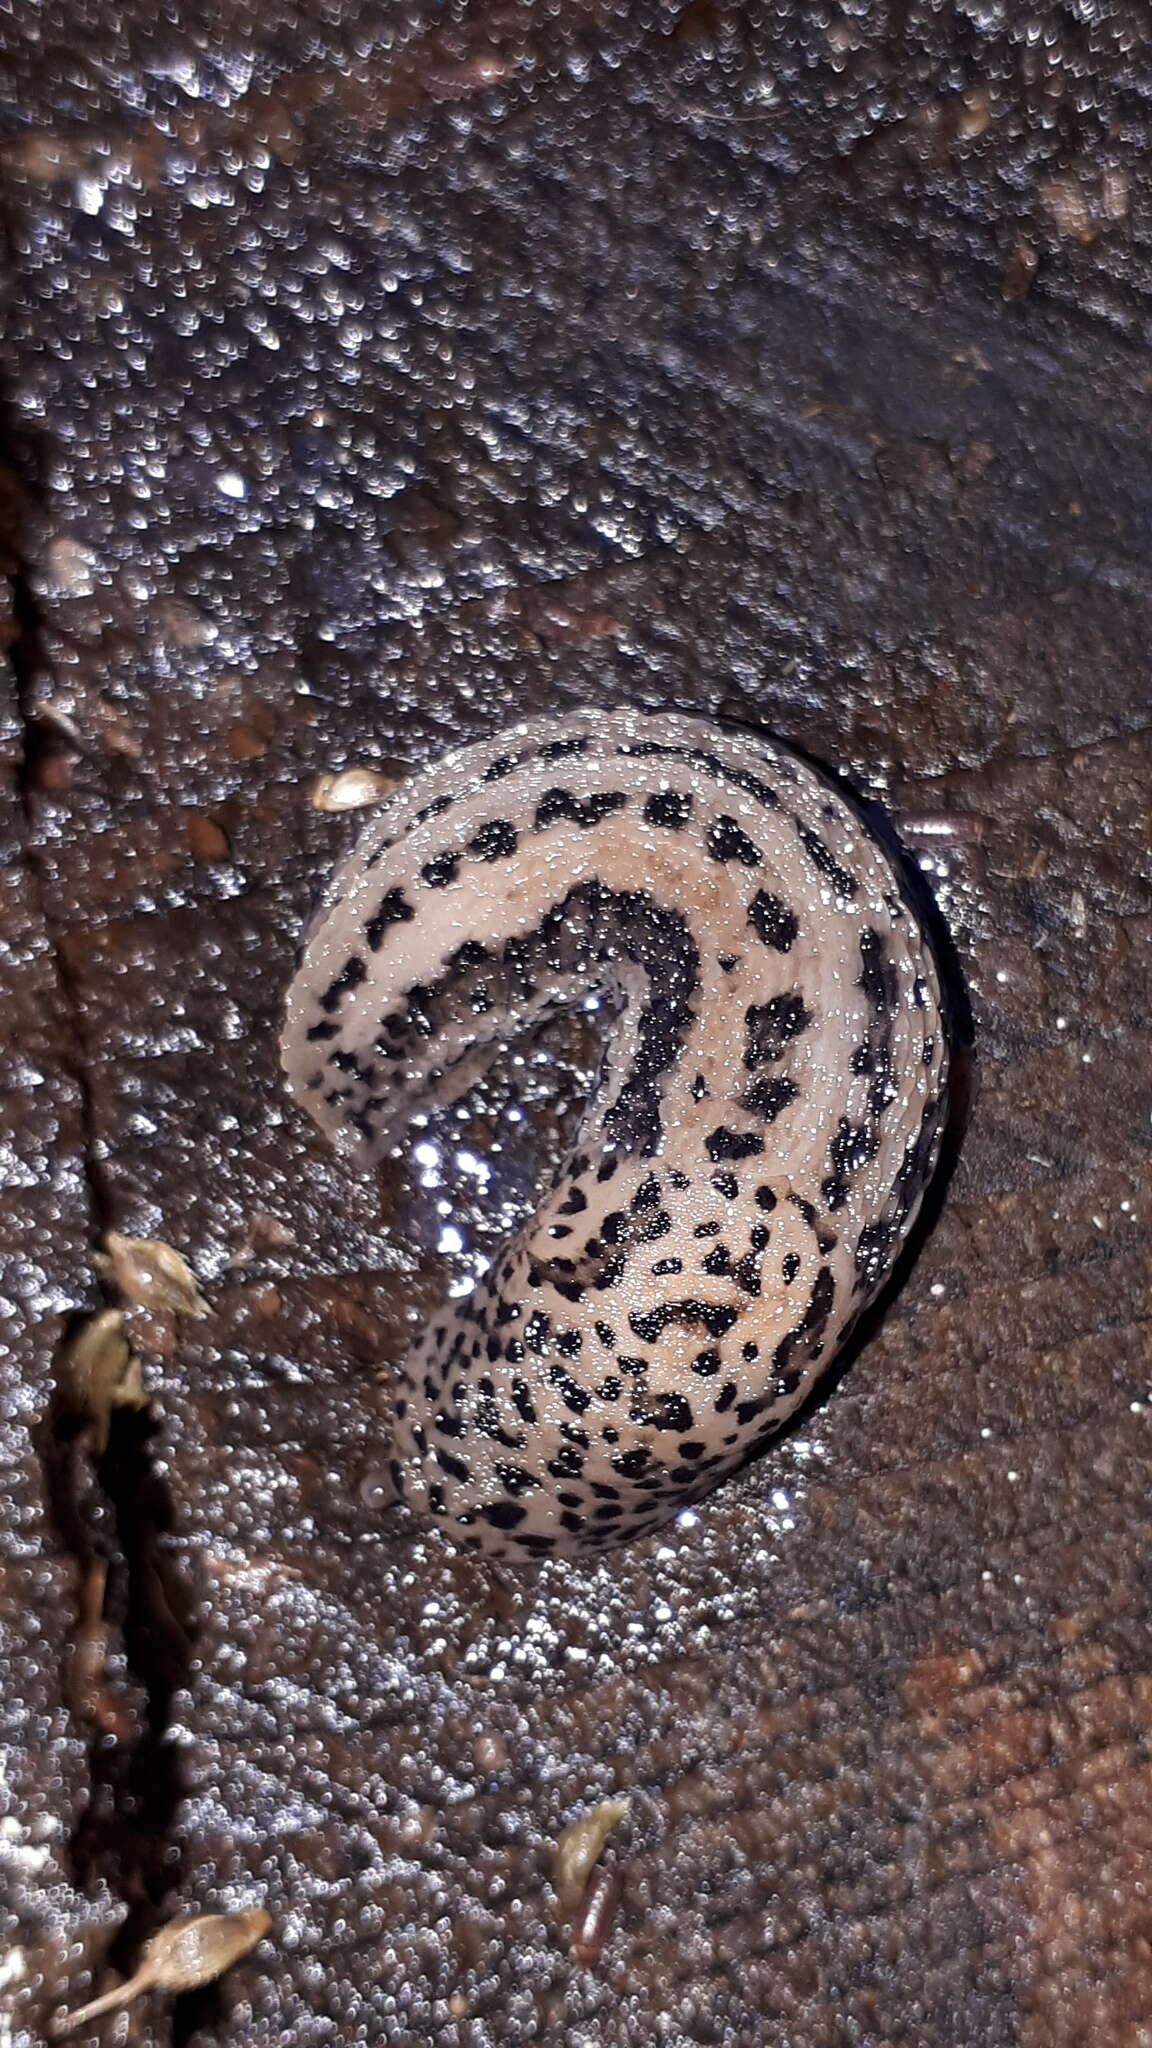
x=560 y=750
x=728 y=841
x=630 y=1464
x=393 y=908
x=825 y=861
x=871 y=1254
x=661 y=1411
x=504 y=1514
x=812 y=1322
x=715 y=1317
x=769 y=1095
x=773 y=921
x=454 y=1467
x=522 y=1400
x=495 y=840
x=353 y=972
x=667 y=807
x=771 y=1028
x=878 y=977
x=584 y=811
x=725 y=1144
x=440 y=870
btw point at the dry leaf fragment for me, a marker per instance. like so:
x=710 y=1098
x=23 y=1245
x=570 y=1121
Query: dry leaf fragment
x=592 y=1920
x=150 y=1272
x=579 y=1848
x=191 y=1951
x=1019 y=270
x=352 y=789
x=89 y=1693
x=1068 y=207
x=101 y=1372
x=1115 y=194
x=264 y=1233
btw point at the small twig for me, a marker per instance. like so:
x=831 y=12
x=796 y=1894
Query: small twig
x=189 y=1952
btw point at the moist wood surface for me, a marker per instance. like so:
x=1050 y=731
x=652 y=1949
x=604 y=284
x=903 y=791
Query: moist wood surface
x=371 y=382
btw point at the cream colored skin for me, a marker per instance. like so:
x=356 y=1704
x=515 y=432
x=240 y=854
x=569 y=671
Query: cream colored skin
x=491 y=901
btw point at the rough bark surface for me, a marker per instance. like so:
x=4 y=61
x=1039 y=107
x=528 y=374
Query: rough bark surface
x=375 y=373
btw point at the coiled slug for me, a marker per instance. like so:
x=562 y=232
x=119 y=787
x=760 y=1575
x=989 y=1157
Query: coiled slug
x=767 y=1117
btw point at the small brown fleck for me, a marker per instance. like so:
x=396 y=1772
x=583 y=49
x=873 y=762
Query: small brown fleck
x=973 y=113
x=44 y=158
x=458 y=81
x=564 y=623
x=1115 y=194
x=1019 y=270
x=490 y=1753
x=1066 y=204
x=114 y=732
x=206 y=839
x=417 y=1826
x=70 y=567
x=184 y=626
x=89 y=1694
x=972 y=461
x=264 y=1234
x=53 y=744
x=246 y=744
x=253 y=734
x=152 y=1273
x=935 y=1682
x=54 y=772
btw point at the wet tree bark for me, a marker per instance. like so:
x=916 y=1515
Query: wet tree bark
x=371 y=381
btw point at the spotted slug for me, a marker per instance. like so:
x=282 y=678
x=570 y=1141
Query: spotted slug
x=766 y=1121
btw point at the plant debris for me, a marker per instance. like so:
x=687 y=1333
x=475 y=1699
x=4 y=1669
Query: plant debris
x=592 y=1920
x=150 y=1272
x=352 y=789
x=263 y=1234
x=191 y=1951
x=579 y=1847
x=100 y=1372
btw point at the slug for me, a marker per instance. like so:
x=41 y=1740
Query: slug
x=766 y=1121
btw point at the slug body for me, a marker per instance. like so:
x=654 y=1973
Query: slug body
x=766 y=1121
